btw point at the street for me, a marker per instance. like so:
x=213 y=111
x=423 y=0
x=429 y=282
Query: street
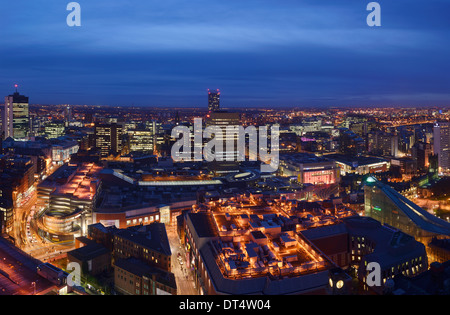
x=184 y=280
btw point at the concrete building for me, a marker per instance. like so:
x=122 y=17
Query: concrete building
x=134 y=277
x=441 y=138
x=108 y=138
x=93 y=257
x=309 y=168
x=68 y=197
x=148 y=243
x=258 y=250
x=360 y=165
x=225 y=158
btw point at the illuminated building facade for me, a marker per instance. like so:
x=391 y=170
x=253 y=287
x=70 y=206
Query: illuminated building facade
x=309 y=168
x=61 y=152
x=439 y=250
x=108 y=138
x=213 y=100
x=441 y=140
x=350 y=143
x=357 y=241
x=229 y=162
x=382 y=143
x=68 y=197
x=6 y=120
x=243 y=246
x=134 y=277
x=421 y=153
x=394 y=251
x=141 y=140
x=360 y=165
x=148 y=243
x=16 y=177
x=388 y=206
x=16 y=116
x=54 y=130
x=6 y=214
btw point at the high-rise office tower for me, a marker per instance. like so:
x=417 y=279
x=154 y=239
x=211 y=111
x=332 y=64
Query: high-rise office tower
x=2 y=132
x=15 y=116
x=382 y=143
x=108 y=138
x=226 y=157
x=68 y=113
x=6 y=119
x=213 y=100
x=441 y=140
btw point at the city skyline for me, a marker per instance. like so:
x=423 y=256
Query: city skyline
x=225 y=148
x=258 y=54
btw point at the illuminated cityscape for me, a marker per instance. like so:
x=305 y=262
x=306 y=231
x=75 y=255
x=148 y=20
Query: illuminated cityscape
x=298 y=180
x=93 y=194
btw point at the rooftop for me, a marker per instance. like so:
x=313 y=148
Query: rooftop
x=152 y=236
x=89 y=252
x=75 y=180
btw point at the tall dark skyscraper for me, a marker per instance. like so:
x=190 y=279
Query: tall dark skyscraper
x=213 y=100
x=108 y=138
x=15 y=116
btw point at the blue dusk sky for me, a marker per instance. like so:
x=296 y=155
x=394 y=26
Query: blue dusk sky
x=264 y=53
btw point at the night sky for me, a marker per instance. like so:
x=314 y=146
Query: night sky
x=257 y=52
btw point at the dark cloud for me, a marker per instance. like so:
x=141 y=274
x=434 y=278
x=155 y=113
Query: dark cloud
x=263 y=52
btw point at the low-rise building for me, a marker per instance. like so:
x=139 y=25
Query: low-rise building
x=148 y=243
x=309 y=168
x=360 y=165
x=93 y=258
x=134 y=277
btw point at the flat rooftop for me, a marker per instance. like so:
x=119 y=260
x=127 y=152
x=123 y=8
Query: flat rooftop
x=249 y=239
x=302 y=158
x=73 y=180
x=355 y=160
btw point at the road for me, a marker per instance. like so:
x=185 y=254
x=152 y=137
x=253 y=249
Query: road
x=30 y=242
x=20 y=220
x=18 y=273
x=183 y=277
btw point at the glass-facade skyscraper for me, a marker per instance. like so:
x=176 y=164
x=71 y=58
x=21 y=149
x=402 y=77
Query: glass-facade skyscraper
x=388 y=206
x=15 y=117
